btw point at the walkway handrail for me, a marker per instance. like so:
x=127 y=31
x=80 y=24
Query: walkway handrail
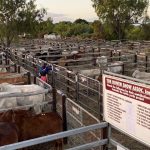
x=53 y=137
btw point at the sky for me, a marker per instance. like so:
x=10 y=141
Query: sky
x=68 y=10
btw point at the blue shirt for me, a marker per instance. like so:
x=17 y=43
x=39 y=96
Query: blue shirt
x=46 y=69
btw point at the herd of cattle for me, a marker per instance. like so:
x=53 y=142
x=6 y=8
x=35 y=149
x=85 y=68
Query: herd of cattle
x=22 y=114
x=89 y=58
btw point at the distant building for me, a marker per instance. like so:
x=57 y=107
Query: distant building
x=24 y=35
x=52 y=36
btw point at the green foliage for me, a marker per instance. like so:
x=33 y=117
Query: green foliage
x=72 y=29
x=119 y=14
x=135 y=33
x=108 y=32
x=140 y=32
x=146 y=28
x=30 y=17
x=61 y=28
x=44 y=27
x=116 y=19
x=98 y=29
x=79 y=29
x=146 y=31
x=80 y=21
x=16 y=17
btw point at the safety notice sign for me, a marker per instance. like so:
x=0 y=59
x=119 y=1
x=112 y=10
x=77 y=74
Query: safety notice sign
x=127 y=106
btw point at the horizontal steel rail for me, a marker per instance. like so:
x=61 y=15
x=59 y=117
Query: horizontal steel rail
x=90 y=145
x=53 y=137
x=68 y=99
x=126 y=77
x=89 y=88
x=66 y=85
x=7 y=66
x=113 y=142
x=87 y=96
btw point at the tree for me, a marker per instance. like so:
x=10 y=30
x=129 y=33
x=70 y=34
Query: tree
x=80 y=21
x=68 y=29
x=98 y=29
x=45 y=27
x=146 y=28
x=16 y=17
x=79 y=29
x=62 y=28
x=135 y=33
x=119 y=14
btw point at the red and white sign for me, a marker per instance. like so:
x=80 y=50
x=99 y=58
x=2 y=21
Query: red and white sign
x=127 y=106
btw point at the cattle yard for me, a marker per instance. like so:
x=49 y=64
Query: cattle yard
x=75 y=88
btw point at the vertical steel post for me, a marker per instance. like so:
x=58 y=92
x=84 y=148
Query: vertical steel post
x=146 y=63
x=77 y=87
x=135 y=60
x=119 y=56
x=105 y=136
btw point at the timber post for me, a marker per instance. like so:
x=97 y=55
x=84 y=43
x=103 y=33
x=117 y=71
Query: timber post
x=54 y=99
x=18 y=69
x=15 y=68
x=29 y=77
x=135 y=60
x=64 y=116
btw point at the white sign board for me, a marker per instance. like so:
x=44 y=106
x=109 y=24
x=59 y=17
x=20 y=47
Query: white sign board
x=127 y=106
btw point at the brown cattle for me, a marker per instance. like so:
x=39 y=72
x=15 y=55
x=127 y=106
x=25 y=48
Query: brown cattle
x=42 y=125
x=8 y=133
x=15 y=116
x=32 y=126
